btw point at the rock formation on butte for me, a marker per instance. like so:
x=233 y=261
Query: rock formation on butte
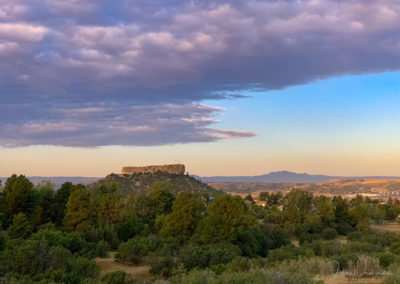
x=171 y=169
x=140 y=180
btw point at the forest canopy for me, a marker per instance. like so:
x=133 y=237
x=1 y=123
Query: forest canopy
x=51 y=235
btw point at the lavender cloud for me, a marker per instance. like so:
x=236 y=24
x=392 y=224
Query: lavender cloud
x=91 y=126
x=153 y=55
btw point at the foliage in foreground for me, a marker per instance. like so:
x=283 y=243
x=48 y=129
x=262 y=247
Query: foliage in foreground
x=53 y=236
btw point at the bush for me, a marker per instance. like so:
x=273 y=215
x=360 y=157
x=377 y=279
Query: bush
x=284 y=253
x=196 y=256
x=20 y=227
x=344 y=228
x=129 y=229
x=162 y=265
x=84 y=268
x=366 y=266
x=118 y=277
x=329 y=234
x=136 y=249
x=71 y=241
x=257 y=276
x=395 y=248
x=102 y=249
x=387 y=258
x=252 y=243
x=222 y=253
x=104 y=233
x=307 y=238
x=393 y=277
x=239 y=264
x=353 y=236
x=37 y=261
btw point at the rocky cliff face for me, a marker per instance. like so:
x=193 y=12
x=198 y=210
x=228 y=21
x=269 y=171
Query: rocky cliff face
x=171 y=169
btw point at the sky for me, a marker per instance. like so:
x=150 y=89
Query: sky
x=225 y=87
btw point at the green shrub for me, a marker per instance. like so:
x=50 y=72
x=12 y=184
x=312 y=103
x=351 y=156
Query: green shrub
x=395 y=248
x=256 y=276
x=84 y=268
x=329 y=234
x=119 y=277
x=103 y=233
x=136 y=249
x=356 y=235
x=222 y=253
x=307 y=238
x=393 y=275
x=387 y=258
x=20 y=227
x=281 y=254
x=102 y=249
x=252 y=243
x=162 y=265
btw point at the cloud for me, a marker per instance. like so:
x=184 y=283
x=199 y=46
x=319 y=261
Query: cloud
x=119 y=125
x=154 y=53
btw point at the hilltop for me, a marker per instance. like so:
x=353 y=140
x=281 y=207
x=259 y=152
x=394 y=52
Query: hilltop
x=142 y=182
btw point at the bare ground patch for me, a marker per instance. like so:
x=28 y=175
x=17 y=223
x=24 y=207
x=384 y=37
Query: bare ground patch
x=386 y=227
x=110 y=265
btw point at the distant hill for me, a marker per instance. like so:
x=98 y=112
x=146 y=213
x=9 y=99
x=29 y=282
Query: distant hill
x=283 y=177
x=141 y=182
x=58 y=181
x=273 y=177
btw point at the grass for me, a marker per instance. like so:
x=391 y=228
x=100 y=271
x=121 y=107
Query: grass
x=386 y=227
x=341 y=279
x=110 y=265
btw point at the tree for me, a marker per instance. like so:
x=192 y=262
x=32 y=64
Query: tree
x=108 y=202
x=78 y=215
x=274 y=198
x=161 y=198
x=343 y=219
x=297 y=204
x=61 y=199
x=20 y=227
x=185 y=215
x=264 y=196
x=325 y=208
x=44 y=200
x=158 y=202
x=109 y=209
x=225 y=217
x=249 y=198
x=18 y=196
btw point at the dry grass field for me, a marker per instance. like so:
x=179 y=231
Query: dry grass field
x=110 y=265
x=341 y=279
x=386 y=227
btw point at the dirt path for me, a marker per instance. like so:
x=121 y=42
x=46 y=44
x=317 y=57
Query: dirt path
x=110 y=265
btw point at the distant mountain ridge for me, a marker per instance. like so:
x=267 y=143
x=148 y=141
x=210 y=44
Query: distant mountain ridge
x=58 y=181
x=273 y=177
x=285 y=177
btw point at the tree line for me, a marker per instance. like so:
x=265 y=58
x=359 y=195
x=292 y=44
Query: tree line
x=52 y=235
